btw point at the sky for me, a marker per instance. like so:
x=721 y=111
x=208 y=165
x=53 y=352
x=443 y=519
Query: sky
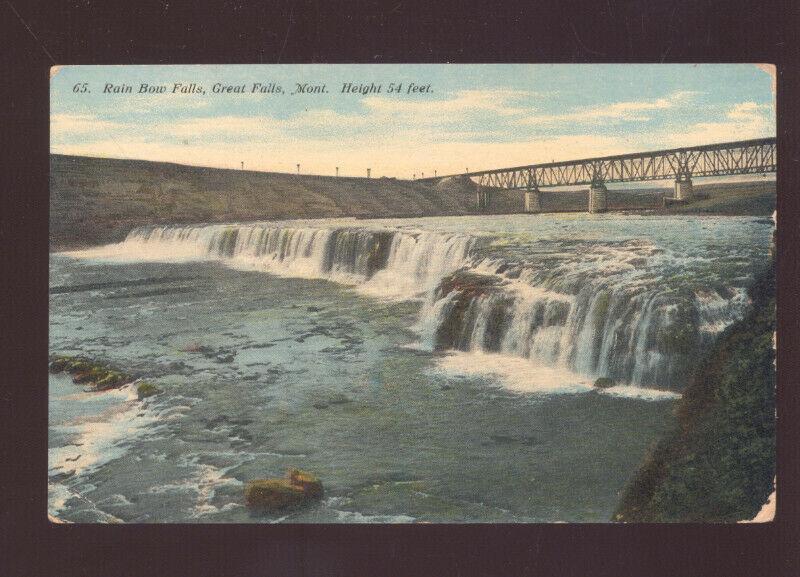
x=471 y=117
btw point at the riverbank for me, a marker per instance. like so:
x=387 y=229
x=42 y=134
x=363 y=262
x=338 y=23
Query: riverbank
x=718 y=464
x=97 y=201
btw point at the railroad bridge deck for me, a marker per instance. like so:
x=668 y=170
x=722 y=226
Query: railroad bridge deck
x=681 y=164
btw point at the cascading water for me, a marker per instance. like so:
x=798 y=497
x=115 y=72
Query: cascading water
x=627 y=309
x=609 y=315
x=259 y=372
x=385 y=262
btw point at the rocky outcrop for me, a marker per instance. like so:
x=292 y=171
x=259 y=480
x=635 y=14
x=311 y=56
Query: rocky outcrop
x=466 y=286
x=145 y=390
x=92 y=374
x=718 y=463
x=604 y=383
x=274 y=495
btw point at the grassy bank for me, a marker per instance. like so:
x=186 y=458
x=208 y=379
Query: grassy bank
x=718 y=464
x=99 y=200
x=96 y=200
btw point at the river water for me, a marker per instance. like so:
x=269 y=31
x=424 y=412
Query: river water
x=427 y=370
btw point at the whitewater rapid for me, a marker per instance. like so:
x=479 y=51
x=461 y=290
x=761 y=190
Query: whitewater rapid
x=634 y=309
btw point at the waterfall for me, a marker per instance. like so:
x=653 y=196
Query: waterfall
x=596 y=324
x=380 y=261
x=627 y=309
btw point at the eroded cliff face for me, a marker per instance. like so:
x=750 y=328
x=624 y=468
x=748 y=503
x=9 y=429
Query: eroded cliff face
x=718 y=465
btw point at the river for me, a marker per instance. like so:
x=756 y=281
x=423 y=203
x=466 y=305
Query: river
x=432 y=369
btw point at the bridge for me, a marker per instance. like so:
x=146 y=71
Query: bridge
x=679 y=164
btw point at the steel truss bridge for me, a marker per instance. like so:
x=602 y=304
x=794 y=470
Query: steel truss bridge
x=681 y=164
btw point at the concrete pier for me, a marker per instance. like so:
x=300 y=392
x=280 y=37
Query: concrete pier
x=482 y=197
x=533 y=201
x=598 y=198
x=683 y=189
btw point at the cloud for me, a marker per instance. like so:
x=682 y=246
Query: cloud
x=615 y=112
x=386 y=157
x=742 y=121
x=479 y=129
x=242 y=127
x=497 y=101
x=65 y=124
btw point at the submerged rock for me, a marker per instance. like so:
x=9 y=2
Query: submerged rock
x=269 y=495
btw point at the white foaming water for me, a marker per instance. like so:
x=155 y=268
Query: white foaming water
x=601 y=311
x=521 y=375
x=381 y=262
x=99 y=437
x=95 y=437
x=635 y=305
x=513 y=373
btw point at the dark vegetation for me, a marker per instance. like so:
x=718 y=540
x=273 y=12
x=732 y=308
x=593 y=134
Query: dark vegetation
x=718 y=464
x=99 y=200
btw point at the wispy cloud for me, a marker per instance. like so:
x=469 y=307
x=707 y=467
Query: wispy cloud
x=615 y=112
x=397 y=137
x=83 y=124
x=386 y=157
x=741 y=121
x=498 y=101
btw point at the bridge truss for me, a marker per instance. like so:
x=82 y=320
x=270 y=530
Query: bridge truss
x=681 y=164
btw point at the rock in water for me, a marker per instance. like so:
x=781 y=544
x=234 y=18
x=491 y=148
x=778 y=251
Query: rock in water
x=84 y=371
x=145 y=390
x=604 y=383
x=270 y=495
x=312 y=487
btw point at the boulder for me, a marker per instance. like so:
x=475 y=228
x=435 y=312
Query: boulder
x=145 y=390
x=311 y=486
x=87 y=372
x=604 y=383
x=272 y=495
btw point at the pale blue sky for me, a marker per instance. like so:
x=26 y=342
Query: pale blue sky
x=476 y=117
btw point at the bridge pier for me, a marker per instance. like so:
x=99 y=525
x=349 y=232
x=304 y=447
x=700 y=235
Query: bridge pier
x=598 y=198
x=533 y=201
x=482 y=198
x=683 y=188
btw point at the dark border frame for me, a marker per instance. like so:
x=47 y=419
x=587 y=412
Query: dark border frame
x=40 y=33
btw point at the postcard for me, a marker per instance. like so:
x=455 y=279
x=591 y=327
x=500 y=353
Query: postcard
x=412 y=293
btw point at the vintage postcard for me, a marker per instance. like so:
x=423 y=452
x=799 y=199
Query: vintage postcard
x=412 y=294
